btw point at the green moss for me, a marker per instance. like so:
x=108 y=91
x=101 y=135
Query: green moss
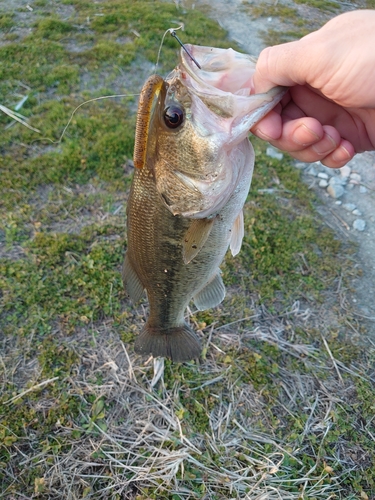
x=320 y=4
x=53 y=29
x=278 y=10
x=6 y=21
x=274 y=37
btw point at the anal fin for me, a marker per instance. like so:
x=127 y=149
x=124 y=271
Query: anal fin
x=195 y=237
x=211 y=294
x=132 y=283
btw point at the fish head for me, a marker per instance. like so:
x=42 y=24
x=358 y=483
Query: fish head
x=199 y=120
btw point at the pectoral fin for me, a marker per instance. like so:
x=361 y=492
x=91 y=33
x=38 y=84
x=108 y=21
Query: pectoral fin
x=195 y=237
x=132 y=283
x=211 y=295
x=237 y=234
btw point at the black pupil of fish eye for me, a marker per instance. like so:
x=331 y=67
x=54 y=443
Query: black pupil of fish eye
x=173 y=116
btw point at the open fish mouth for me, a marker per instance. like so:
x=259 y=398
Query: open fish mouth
x=224 y=83
x=217 y=102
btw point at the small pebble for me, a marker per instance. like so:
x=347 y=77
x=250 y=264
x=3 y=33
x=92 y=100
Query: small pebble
x=338 y=202
x=335 y=190
x=359 y=224
x=349 y=207
x=350 y=186
x=323 y=183
x=274 y=153
x=337 y=180
x=325 y=169
x=300 y=165
x=312 y=171
x=322 y=175
x=355 y=177
x=357 y=212
x=345 y=171
x=362 y=189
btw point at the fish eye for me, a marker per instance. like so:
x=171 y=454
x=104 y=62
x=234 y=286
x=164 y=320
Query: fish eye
x=173 y=116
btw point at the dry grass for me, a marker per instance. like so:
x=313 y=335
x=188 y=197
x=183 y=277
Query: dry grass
x=138 y=441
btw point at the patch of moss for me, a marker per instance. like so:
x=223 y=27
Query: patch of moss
x=53 y=28
x=6 y=21
x=274 y=37
x=264 y=9
x=321 y=5
x=63 y=268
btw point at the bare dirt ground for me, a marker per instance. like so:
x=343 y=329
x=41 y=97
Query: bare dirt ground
x=247 y=30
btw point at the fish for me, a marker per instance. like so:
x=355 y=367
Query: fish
x=193 y=168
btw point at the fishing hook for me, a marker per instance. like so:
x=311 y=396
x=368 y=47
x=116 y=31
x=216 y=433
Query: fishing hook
x=173 y=33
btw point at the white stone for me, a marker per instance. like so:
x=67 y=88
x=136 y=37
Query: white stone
x=345 y=171
x=337 y=180
x=338 y=202
x=355 y=177
x=350 y=186
x=322 y=175
x=362 y=189
x=335 y=190
x=300 y=165
x=357 y=212
x=349 y=207
x=274 y=153
x=323 y=183
x=312 y=171
x=359 y=224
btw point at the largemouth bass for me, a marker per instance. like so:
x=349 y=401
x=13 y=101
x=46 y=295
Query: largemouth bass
x=194 y=165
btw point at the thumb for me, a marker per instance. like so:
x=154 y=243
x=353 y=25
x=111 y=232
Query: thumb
x=284 y=65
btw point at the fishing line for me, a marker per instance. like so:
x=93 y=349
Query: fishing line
x=170 y=31
x=85 y=102
x=20 y=118
x=173 y=33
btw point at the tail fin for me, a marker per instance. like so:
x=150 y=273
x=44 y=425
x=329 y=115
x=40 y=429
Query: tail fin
x=179 y=343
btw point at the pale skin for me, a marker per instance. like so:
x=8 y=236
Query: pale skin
x=328 y=114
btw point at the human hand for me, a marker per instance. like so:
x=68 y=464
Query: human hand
x=328 y=114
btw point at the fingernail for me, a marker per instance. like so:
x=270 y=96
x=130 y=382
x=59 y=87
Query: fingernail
x=341 y=154
x=325 y=146
x=261 y=135
x=304 y=136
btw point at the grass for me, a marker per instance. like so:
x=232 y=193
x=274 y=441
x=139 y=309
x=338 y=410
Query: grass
x=292 y=22
x=281 y=402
